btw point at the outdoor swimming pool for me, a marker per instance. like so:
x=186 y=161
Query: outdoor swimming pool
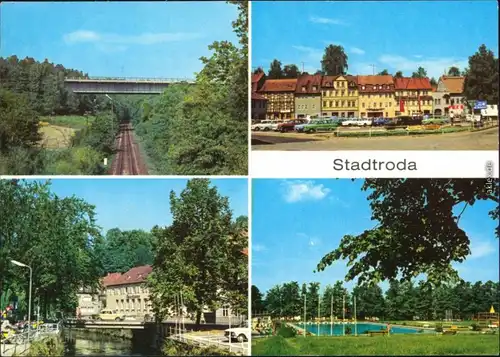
x=361 y=327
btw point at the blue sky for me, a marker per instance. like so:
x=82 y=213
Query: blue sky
x=141 y=203
x=390 y=35
x=121 y=39
x=295 y=223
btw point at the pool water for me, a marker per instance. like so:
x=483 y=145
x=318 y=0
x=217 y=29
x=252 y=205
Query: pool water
x=361 y=327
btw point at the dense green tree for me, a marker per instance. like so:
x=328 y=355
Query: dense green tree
x=198 y=253
x=481 y=80
x=433 y=81
x=290 y=71
x=275 y=70
x=258 y=305
x=383 y=72
x=334 y=62
x=369 y=301
x=420 y=73
x=55 y=236
x=422 y=212
x=454 y=71
x=398 y=74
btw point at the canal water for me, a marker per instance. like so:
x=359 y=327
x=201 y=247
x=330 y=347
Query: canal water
x=79 y=343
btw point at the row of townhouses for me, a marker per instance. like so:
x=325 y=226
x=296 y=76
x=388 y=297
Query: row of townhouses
x=128 y=294
x=355 y=96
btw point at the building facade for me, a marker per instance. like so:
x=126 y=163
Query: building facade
x=308 y=96
x=413 y=96
x=339 y=96
x=258 y=102
x=88 y=302
x=448 y=97
x=127 y=293
x=376 y=96
x=280 y=95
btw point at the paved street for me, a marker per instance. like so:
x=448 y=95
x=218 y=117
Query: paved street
x=480 y=140
x=215 y=339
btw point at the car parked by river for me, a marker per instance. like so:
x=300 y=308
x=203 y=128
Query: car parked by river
x=110 y=315
x=240 y=333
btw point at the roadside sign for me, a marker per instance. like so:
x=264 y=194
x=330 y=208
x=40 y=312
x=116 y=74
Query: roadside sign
x=480 y=104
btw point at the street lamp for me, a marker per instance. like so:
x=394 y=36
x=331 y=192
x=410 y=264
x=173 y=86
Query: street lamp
x=111 y=99
x=15 y=262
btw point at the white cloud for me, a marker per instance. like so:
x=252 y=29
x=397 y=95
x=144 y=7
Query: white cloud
x=435 y=67
x=296 y=191
x=357 y=51
x=481 y=249
x=119 y=42
x=258 y=247
x=326 y=21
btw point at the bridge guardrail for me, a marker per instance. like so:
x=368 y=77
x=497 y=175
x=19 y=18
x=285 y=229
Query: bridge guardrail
x=183 y=335
x=132 y=79
x=18 y=339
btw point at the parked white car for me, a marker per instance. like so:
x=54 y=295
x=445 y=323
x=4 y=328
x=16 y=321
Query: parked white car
x=357 y=122
x=241 y=333
x=264 y=125
x=274 y=125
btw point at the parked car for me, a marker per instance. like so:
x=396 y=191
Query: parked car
x=438 y=120
x=381 y=121
x=275 y=124
x=403 y=121
x=357 y=122
x=241 y=333
x=290 y=125
x=110 y=315
x=321 y=125
x=264 y=125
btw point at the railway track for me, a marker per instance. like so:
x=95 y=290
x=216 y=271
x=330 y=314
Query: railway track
x=127 y=160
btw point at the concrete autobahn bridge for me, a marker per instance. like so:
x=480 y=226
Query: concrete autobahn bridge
x=106 y=85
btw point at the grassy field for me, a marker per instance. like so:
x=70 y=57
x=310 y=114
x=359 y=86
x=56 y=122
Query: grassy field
x=70 y=121
x=388 y=346
x=56 y=137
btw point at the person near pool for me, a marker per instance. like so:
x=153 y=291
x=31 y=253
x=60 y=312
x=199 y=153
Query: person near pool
x=389 y=328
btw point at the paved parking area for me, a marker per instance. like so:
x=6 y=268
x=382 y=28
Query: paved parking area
x=479 y=140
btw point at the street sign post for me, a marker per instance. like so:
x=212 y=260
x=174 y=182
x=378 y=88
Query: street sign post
x=480 y=104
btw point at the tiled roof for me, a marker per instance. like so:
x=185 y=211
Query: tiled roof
x=373 y=84
x=257 y=96
x=412 y=83
x=378 y=80
x=308 y=81
x=257 y=76
x=455 y=85
x=133 y=276
x=328 y=80
x=110 y=278
x=255 y=80
x=279 y=85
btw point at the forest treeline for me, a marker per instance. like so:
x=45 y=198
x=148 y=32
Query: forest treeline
x=31 y=90
x=402 y=301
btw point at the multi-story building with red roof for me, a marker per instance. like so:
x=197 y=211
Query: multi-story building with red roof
x=280 y=98
x=376 y=96
x=308 y=96
x=448 y=97
x=413 y=96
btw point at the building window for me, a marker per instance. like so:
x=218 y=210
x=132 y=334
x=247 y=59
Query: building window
x=386 y=114
x=225 y=311
x=363 y=105
x=331 y=103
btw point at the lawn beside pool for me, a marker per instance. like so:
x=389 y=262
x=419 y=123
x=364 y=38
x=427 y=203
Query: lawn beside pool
x=414 y=344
